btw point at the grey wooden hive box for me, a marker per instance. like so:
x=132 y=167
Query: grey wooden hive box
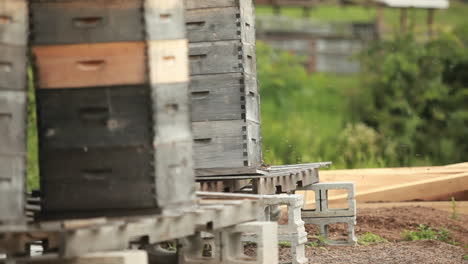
x=225 y=98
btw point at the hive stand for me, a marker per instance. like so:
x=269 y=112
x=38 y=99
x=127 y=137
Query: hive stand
x=226 y=246
x=323 y=215
x=294 y=231
x=75 y=238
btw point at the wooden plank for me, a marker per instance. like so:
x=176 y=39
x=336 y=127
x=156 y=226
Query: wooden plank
x=13 y=66
x=226 y=144
x=216 y=24
x=168 y=62
x=14 y=22
x=120 y=257
x=222 y=57
x=212 y=173
x=171 y=113
x=164 y=20
x=84 y=65
x=94 y=117
x=197 y=4
x=96 y=165
x=12 y=183
x=447 y=206
x=13 y=122
x=175 y=181
x=230 y=96
x=83 y=21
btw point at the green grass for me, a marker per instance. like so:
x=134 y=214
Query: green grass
x=371 y=238
x=427 y=233
x=32 y=159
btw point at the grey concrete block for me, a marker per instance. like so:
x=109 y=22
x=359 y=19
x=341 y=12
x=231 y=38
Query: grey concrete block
x=294 y=230
x=321 y=200
x=323 y=225
x=225 y=246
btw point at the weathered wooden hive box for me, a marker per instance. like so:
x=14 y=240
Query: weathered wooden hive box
x=13 y=103
x=113 y=106
x=225 y=99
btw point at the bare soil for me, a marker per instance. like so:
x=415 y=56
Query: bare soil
x=389 y=223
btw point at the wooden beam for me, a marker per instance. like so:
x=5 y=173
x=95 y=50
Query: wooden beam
x=403 y=21
x=430 y=22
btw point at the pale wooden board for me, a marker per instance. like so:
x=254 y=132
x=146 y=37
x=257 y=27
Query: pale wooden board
x=168 y=62
x=401 y=184
x=12 y=183
x=84 y=65
x=14 y=24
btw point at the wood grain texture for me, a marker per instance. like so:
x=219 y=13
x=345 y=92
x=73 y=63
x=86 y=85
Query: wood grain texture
x=230 y=96
x=168 y=62
x=94 y=117
x=13 y=124
x=83 y=21
x=12 y=183
x=84 y=65
x=196 y=4
x=14 y=22
x=171 y=112
x=13 y=67
x=219 y=144
x=97 y=178
x=175 y=180
x=222 y=57
x=215 y=24
x=164 y=19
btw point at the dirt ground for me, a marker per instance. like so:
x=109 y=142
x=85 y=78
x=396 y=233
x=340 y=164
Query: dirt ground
x=389 y=223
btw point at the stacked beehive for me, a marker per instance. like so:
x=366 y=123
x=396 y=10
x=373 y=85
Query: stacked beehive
x=112 y=93
x=13 y=103
x=225 y=100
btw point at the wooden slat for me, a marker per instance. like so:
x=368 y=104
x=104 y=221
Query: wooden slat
x=215 y=24
x=13 y=65
x=218 y=97
x=164 y=19
x=196 y=4
x=84 y=65
x=83 y=21
x=222 y=57
x=94 y=117
x=226 y=144
x=168 y=62
x=14 y=22
x=13 y=122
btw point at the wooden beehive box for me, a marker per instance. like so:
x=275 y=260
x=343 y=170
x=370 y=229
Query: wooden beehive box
x=13 y=103
x=113 y=105
x=225 y=99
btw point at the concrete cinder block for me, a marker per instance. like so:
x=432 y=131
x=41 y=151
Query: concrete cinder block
x=225 y=246
x=294 y=230
x=323 y=225
x=321 y=200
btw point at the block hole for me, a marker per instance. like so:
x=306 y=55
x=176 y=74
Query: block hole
x=337 y=199
x=207 y=250
x=248 y=247
x=337 y=232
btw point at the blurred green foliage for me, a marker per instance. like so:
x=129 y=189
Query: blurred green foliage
x=408 y=108
x=418 y=97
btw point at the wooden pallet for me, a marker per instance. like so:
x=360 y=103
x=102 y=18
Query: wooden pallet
x=71 y=238
x=271 y=180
